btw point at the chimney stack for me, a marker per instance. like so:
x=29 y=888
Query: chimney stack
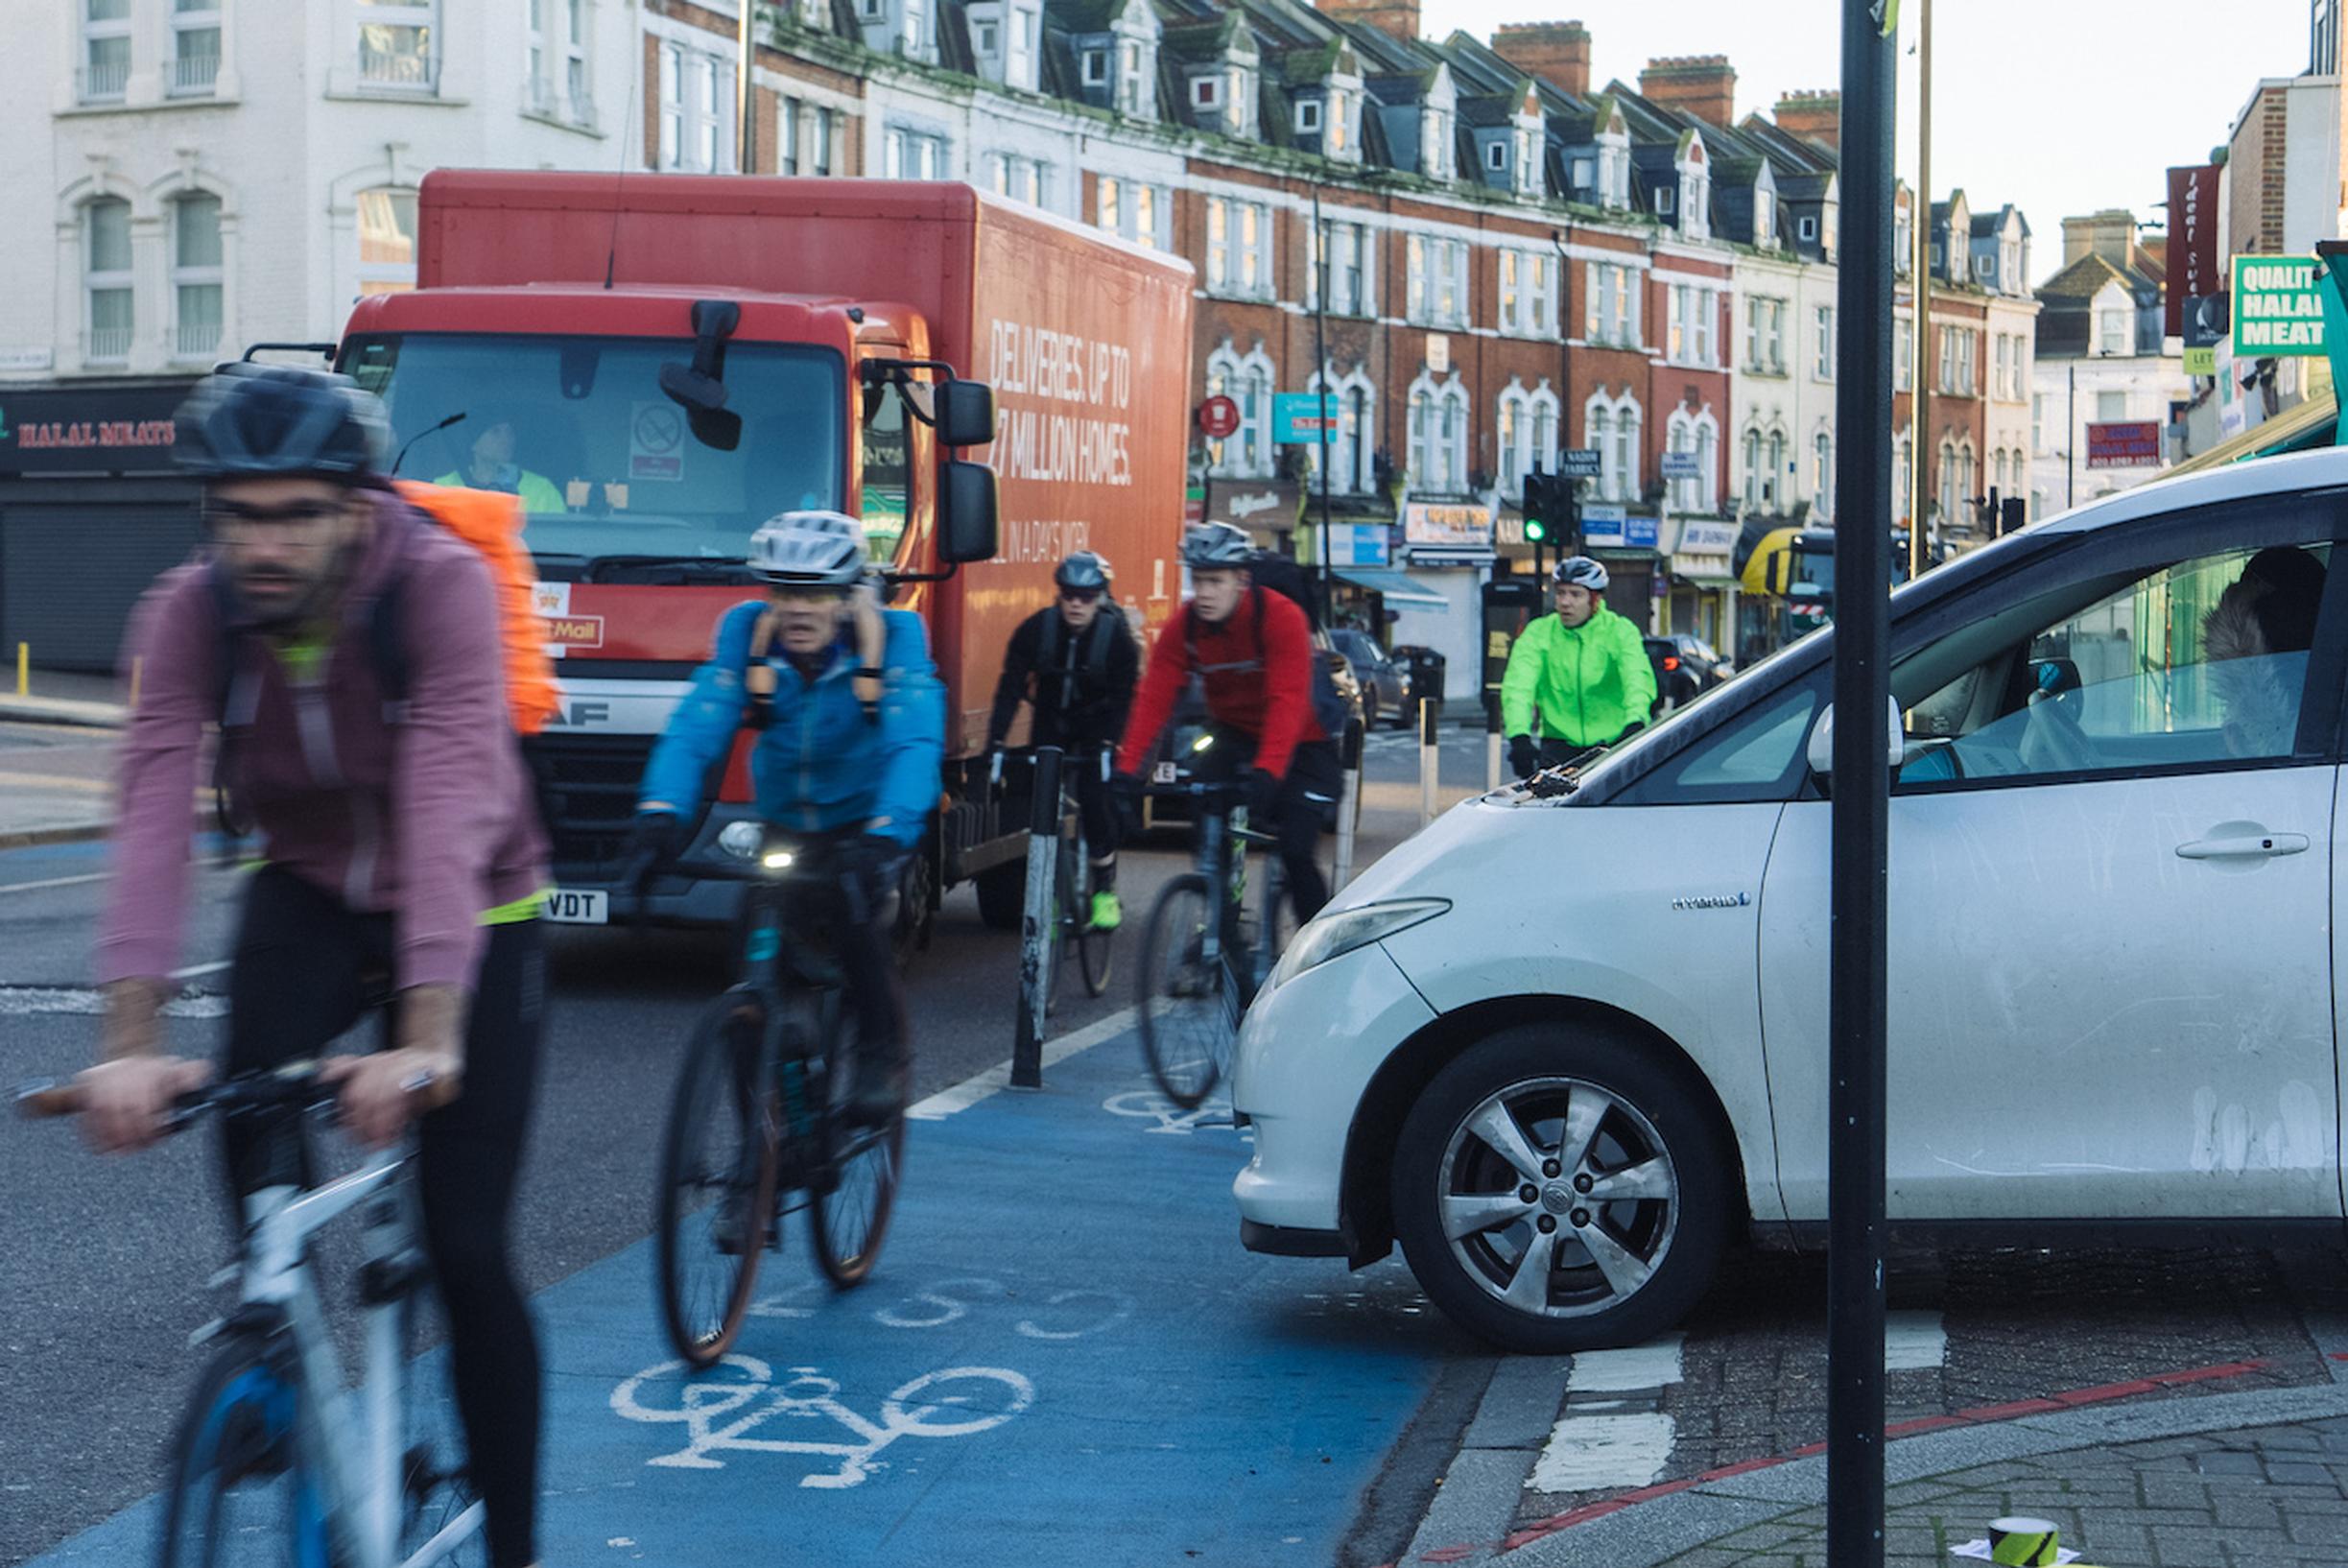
x=1703 y=85
x=1558 y=52
x=2110 y=235
x=1395 y=18
x=1812 y=116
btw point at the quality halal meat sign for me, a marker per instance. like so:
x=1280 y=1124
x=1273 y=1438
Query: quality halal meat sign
x=54 y=431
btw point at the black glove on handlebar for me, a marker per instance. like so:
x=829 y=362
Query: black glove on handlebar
x=655 y=839
x=1262 y=790
x=1524 y=758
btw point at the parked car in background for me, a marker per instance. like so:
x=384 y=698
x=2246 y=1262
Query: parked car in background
x=1711 y=667
x=1564 y=1045
x=1422 y=673
x=1686 y=667
x=1384 y=693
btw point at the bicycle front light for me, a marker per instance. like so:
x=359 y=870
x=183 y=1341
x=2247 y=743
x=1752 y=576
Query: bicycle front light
x=1333 y=935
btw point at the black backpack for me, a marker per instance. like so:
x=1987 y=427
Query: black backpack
x=1285 y=576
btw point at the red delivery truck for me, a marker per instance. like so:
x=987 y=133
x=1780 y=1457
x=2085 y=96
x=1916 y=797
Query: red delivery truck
x=658 y=363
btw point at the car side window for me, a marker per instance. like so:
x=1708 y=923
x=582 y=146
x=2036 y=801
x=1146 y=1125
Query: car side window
x=2199 y=662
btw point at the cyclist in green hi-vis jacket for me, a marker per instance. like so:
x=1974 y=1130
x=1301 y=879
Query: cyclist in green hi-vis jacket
x=1578 y=679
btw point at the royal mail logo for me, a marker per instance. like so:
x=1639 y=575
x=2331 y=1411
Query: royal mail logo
x=549 y=598
x=574 y=630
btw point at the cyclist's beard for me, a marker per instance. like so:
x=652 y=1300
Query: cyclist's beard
x=289 y=597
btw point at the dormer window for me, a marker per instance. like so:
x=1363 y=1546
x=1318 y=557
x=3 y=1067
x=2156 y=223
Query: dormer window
x=1130 y=78
x=1614 y=171
x=1206 y=92
x=1307 y=116
x=1695 y=206
x=1764 y=218
x=1496 y=156
x=1808 y=229
x=1585 y=173
x=989 y=37
x=1664 y=199
x=1334 y=141
x=1096 y=67
x=1434 y=151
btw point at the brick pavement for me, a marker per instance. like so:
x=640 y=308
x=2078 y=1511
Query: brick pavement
x=2266 y=1495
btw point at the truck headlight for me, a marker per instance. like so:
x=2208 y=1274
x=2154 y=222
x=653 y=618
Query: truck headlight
x=1331 y=935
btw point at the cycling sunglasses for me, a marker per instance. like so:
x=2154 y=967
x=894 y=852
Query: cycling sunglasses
x=1079 y=596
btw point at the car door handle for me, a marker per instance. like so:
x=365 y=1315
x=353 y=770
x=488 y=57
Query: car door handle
x=2243 y=846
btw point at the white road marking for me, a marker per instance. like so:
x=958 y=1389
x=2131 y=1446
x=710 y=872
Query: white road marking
x=1602 y=1453
x=31 y=1000
x=54 y=882
x=982 y=1085
x=1913 y=1341
x=1655 y=1365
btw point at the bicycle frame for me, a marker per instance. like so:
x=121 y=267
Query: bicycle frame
x=1222 y=858
x=360 y=1481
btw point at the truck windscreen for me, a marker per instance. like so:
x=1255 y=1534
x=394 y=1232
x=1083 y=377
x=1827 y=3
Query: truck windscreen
x=605 y=463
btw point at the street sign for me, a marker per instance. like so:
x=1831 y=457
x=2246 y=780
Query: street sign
x=2129 y=443
x=1218 y=416
x=1682 y=465
x=1301 y=418
x=2201 y=362
x=2276 y=309
x=1579 y=463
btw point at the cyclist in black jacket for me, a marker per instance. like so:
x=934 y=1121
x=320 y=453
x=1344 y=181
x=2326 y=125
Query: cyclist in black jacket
x=1075 y=662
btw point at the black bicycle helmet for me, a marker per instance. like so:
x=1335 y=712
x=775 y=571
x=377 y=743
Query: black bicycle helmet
x=1085 y=569
x=267 y=421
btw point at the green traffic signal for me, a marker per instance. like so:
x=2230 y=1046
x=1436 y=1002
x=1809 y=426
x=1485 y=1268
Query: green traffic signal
x=1536 y=531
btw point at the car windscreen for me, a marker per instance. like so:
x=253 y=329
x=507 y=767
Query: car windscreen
x=606 y=464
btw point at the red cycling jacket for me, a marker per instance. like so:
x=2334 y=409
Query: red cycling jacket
x=1258 y=671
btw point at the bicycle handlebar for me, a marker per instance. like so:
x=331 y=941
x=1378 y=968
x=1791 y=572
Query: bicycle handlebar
x=297 y=1084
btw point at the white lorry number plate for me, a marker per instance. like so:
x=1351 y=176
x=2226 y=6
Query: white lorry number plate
x=578 y=907
x=1167 y=773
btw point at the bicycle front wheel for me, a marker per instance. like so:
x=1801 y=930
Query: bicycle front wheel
x=239 y=1492
x=715 y=1212
x=1188 y=1021
x=856 y=1189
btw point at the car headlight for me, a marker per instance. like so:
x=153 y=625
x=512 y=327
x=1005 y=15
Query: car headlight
x=1332 y=935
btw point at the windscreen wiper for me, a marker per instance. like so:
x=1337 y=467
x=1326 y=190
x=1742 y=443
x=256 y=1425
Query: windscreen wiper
x=719 y=570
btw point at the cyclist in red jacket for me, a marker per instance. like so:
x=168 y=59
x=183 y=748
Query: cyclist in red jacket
x=1253 y=651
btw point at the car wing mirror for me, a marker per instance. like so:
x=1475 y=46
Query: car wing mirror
x=1822 y=742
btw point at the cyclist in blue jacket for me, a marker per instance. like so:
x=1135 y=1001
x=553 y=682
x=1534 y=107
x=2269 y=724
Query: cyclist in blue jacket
x=852 y=721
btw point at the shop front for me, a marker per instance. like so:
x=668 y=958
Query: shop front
x=1448 y=552
x=1703 y=582
x=1628 y=546
x=91 y=511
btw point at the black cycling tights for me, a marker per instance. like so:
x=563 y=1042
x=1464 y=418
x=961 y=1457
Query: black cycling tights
x=304 y=968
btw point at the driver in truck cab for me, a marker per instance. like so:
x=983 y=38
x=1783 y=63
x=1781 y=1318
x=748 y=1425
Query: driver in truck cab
x=850 y=716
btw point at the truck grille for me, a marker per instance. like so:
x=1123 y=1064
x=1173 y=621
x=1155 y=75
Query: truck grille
x=592 y=782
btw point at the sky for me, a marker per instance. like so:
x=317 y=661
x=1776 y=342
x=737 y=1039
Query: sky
x=2060 y=106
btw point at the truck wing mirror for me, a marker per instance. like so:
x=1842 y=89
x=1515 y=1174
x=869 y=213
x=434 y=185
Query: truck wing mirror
x=697 y=388
x=966 y=506
x=1821 y=754
x=965 y=411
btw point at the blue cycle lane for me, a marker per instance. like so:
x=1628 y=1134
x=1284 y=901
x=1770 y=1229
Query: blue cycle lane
x=1063 y=1357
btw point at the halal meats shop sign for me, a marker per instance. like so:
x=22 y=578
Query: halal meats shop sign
x=42 y=432
x=2276 y=308
x=1066 y=406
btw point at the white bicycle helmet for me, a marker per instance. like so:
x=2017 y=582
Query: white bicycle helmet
x=1579 y=572
x=809 y=550
x=1217 y=545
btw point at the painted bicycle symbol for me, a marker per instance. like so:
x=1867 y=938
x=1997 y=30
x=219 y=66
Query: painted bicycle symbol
x=1150 y=1105
x=721 y=1411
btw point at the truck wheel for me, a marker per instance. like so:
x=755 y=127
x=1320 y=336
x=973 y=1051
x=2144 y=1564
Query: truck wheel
x=1003 y=895
x=911 y=932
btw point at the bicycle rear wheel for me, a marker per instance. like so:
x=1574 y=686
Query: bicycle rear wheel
x=855 y=1188
x=239 y=1492
x=1187 y=1018
x=715 y=1212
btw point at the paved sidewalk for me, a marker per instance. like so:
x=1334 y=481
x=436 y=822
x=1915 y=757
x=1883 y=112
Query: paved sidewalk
x=59 y=698
x=2155 y=1475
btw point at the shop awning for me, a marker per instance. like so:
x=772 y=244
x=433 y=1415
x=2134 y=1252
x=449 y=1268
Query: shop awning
x=2296 y=428
x=1401 y=593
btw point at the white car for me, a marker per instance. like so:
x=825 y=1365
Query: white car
x=1565 y=1049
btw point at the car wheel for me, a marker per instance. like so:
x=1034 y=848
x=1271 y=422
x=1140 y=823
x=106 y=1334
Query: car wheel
x=1556 y=1189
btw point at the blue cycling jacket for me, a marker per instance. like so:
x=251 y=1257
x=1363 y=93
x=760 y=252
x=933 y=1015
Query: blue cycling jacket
x=821 y=764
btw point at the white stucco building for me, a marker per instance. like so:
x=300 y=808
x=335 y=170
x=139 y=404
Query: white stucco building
x=2102 y=360
x=188 y=180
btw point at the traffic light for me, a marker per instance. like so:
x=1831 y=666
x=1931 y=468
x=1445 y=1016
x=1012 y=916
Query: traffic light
x=1544 y=506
